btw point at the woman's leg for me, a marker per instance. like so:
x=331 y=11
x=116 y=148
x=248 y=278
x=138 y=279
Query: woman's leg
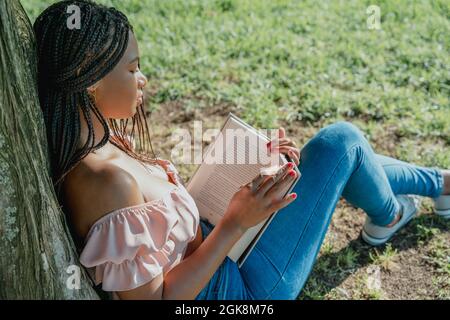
x=281 y=261
x=403 y=177
x=408 y=178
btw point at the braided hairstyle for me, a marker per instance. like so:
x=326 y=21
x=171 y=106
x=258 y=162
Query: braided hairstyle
x=70 y=61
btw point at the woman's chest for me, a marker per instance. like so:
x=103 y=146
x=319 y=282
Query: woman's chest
x=154 y=183
x=153 y=180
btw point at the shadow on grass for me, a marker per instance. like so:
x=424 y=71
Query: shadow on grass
x=332 y=269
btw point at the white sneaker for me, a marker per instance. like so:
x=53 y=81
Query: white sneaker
x=377 y=235
x=442 y=206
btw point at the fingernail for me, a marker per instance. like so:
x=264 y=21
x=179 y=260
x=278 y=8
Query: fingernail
x=290 y=164
x=292 y=173
x=294 y=195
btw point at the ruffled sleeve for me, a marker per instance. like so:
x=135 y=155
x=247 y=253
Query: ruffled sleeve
x=130 y=246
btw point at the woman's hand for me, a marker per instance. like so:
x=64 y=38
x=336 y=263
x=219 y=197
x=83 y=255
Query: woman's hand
x=249 y=206
x=285 y=145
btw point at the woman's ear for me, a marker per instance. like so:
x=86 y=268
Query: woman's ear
x=94 y=87
x=91 y=89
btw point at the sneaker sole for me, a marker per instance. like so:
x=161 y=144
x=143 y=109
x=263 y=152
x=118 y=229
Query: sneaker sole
x=373 y=241
x=443 y=213
x=376 y=241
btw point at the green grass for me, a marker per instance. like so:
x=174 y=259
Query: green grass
x=311 y=63
x=385 y=259
x=309 y=60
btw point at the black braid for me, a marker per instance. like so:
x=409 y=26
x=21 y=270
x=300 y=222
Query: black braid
x=70 y=61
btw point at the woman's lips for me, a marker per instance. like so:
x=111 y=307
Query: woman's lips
x=140 y=98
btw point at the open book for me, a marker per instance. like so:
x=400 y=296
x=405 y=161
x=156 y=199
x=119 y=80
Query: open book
x=235 y=157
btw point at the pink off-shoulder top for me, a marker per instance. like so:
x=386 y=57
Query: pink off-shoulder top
x=130 y=246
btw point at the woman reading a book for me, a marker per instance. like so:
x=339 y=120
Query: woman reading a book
x=137 y=228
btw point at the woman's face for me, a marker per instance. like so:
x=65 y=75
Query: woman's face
x=118 y=94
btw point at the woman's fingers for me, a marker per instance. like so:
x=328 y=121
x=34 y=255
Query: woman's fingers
x=285 y=149
x=284 y=182
x=280 y=142
x=294 y=157
x=283 y=202
x=288 y=142
x=256 y=182
x=266 y=185
x=292 y=152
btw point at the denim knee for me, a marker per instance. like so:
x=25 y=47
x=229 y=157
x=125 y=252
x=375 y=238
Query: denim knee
x=344 y=132
x=338 y=137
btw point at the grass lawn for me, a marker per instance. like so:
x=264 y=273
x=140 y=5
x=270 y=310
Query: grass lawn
x=303 y=65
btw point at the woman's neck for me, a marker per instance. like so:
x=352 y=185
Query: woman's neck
x=107 y=151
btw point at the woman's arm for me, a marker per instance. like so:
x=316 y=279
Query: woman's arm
x=246 y=209
x=187 y=279
x=190 y=276
x=107 y=190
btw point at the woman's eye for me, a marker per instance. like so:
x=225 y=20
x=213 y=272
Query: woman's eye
x=138 y=67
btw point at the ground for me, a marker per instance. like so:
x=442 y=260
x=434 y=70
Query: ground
x=304 y=65
x=414 y=265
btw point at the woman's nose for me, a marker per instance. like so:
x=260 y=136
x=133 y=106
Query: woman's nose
x=142 y=81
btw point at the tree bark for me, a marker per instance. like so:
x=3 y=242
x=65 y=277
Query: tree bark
x=38 y=259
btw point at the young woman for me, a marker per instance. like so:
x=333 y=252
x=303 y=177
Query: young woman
x=137 y=228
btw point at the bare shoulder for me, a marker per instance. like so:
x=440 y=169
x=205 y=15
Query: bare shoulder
x=95 y=189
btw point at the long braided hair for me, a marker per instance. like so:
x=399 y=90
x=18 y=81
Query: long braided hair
x=70 y=61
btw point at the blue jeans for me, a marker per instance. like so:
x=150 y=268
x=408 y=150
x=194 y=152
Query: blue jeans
x=337 y=162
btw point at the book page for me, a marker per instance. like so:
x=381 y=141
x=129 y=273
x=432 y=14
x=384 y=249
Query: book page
x=234 y=158
x=223 y=183
x=230 y=162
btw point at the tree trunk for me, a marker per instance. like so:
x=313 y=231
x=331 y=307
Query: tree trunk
x=38 y=259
